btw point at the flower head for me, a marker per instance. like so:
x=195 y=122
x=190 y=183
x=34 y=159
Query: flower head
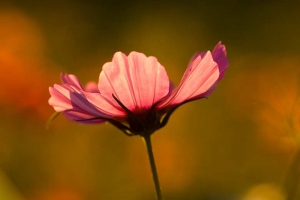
x=134 y=92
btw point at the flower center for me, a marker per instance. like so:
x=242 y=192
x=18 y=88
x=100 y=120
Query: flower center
x=142 y=124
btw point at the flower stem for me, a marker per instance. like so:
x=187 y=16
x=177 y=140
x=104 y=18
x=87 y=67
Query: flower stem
x=148 y=144
x=293 y=176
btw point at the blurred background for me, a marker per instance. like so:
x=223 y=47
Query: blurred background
x=238 y=144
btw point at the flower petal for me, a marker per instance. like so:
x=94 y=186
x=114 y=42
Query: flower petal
x=200 y=75
x=59 y=98
x=104 y=105
x=65 y=98
x=137 y=81
x=92 y=87
x=81 y=117
x=71 y=79
x=219 y=55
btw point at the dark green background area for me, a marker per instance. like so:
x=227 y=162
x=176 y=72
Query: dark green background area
x=76 y=29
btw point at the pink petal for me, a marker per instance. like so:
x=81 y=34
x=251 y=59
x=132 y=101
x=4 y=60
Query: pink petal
x=137 y=81
x=71 y=79
x=92 y=87
x=81 y=101
x=59 y=99
x=219 y=55
x=198 y=78
x=80 y=104
x=81 y=117
x=196 y=55
x=104 y=105
x=65 y=97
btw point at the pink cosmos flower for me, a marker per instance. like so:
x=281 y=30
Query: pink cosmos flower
x=134 y=92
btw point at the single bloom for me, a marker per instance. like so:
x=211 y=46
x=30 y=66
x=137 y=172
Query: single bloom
x=134 y=92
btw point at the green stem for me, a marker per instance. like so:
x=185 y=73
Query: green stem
x=147 y=140
x=293 y=176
